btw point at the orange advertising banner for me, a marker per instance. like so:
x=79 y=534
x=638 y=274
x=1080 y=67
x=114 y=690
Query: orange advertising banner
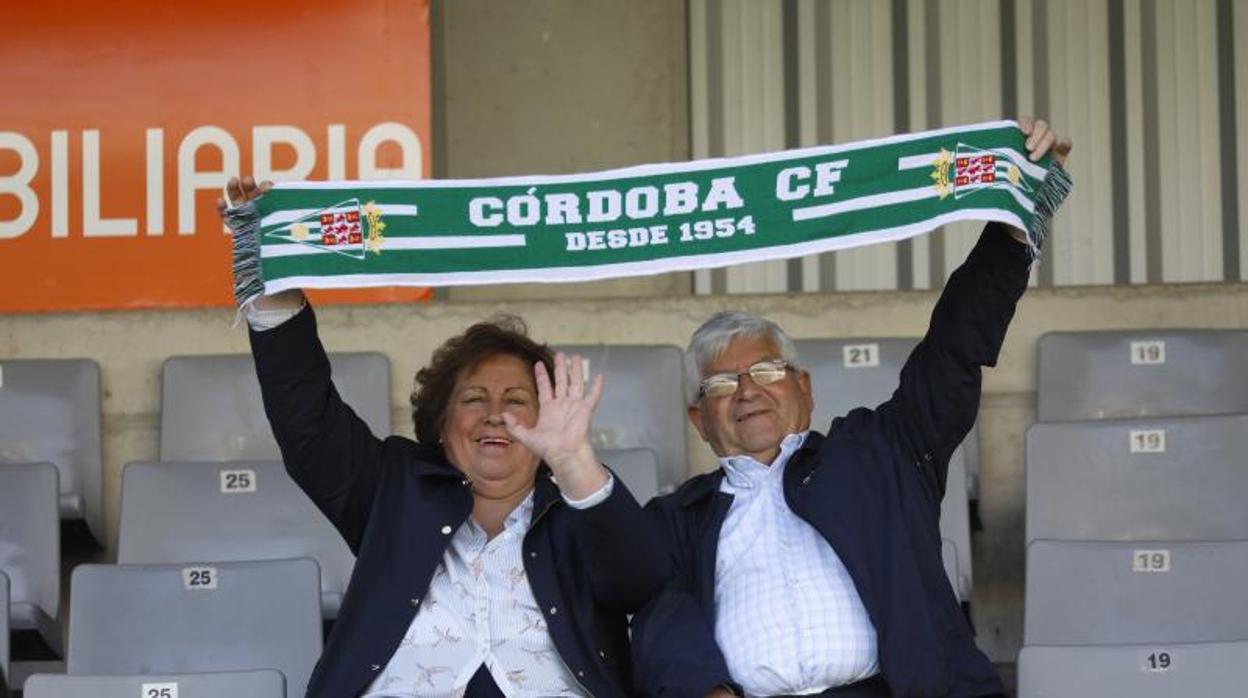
x=121 y=122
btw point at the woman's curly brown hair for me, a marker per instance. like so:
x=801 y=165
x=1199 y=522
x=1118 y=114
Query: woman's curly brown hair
x=435 y=383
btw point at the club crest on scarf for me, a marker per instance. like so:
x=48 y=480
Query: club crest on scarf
x=972 y=169
x=345 y=228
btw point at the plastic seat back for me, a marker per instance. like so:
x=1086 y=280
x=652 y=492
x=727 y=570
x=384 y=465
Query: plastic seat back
x=50 y=412
x=1098 y=593
x=222 y=512
x=30 y=547
x=268 y=683
x=1182 y=478
x=211 y=409
x=643 y=404
x=174 y=619
x=1141 y=373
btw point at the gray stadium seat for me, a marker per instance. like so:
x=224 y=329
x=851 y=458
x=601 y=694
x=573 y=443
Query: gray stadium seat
x=1085 y=483
x=1119 y=374
x=4 y=627
x=638 y=468
x=211 y=410
x=1100 y=593
x=1140 y=671
x=50 y=412
x=955 y=523
x=220 y=512
x=175 y=619
x=266 y=683
x=643 y=403
x=30 y=548
x=863 y=372
x=949 y=556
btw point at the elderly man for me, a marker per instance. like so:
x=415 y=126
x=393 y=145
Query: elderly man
x=811 y=564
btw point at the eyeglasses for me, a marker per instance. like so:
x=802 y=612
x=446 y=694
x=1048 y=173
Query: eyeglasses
x=725 y=384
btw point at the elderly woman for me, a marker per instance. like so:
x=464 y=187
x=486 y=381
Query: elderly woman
x=496 y=556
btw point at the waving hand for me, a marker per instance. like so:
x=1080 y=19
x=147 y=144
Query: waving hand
x=561 y=435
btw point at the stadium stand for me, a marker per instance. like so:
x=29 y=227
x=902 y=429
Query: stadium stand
x=1141 y=373
x=1108 y=592
x=30 y=549
x=266 y=683
x=638 y=468
x=50 y=412
x=228 y=616
x=222 y=512
x=643 y=400
x=1161 y=670
x=1179 y=478
x=211 y=409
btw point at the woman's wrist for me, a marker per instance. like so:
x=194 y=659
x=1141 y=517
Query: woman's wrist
x=579 y=474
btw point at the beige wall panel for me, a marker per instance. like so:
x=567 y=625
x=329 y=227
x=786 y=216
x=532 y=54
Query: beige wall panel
x=1086 y=220
x=1171 y=146
x=1133 y=79
x=754 y=109
x=808 y=133
x=514 y=99
x=1241 y=116
x=971 y=89
x=1209 y=184
x=863 y=108
x=916 y=32
x=1025 y=36
x=1191 y=231
x=699 y=147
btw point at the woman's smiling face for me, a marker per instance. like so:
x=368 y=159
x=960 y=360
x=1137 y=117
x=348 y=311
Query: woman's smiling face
x=473 y=432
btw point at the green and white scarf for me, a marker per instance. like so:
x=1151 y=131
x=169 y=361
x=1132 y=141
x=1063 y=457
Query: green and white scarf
x=640 y=220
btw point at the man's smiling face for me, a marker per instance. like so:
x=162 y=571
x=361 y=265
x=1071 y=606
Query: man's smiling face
x=756 y=418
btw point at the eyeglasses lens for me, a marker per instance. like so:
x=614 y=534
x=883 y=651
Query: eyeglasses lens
x=724 y=384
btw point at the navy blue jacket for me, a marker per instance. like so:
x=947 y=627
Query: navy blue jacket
x=872 y=488
x=397 y=503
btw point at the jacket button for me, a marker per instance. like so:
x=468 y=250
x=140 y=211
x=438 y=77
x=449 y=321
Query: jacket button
x=415 y=603
x=533 y=554
x=446 y=530
x=580 y=674
x=553 y=610
x=602 y=655
x=374 y=667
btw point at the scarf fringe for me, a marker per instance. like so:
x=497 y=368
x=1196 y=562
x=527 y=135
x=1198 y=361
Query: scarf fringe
x=1057 y=186
x=244 y=222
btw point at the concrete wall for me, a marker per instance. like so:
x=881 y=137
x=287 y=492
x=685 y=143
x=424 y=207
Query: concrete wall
x=556 y=86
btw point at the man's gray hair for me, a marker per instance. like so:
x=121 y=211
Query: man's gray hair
x=713 y=337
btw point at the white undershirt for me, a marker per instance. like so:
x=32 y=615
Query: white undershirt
x=788 y=617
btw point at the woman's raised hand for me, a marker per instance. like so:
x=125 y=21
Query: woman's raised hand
x=561 y=435
x=241 y=189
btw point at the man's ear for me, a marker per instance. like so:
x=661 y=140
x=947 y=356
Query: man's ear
x=695 y=415
x=808 y=395
x=803 y=381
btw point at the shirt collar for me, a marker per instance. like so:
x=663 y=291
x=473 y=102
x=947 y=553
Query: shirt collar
x=744 y=472
x=518 y=520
